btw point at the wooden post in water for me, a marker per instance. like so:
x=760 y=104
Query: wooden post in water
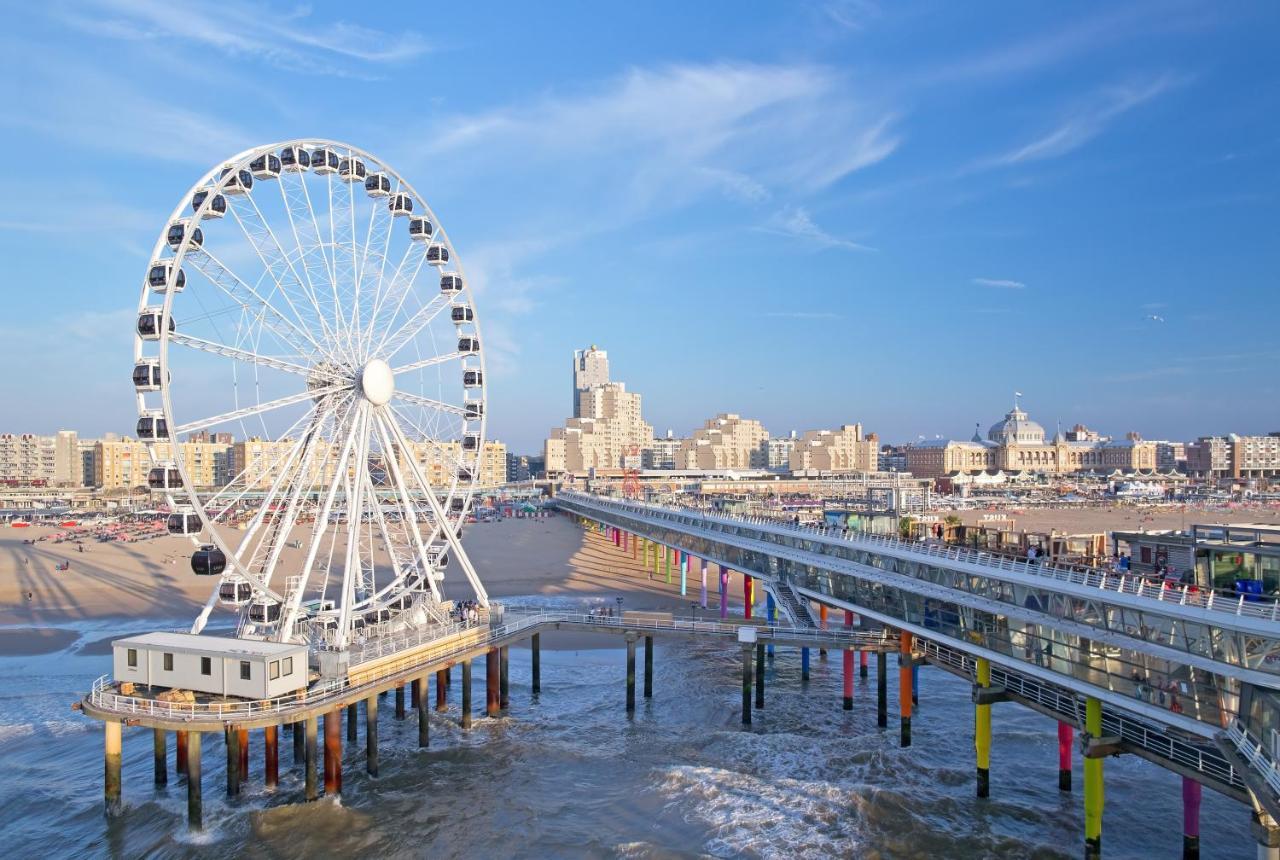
x=353 y=724
x=271 y=756
x=400 y=701
x=333 y=753
x=299 y=742
x=442 y=687
x=161 y=756
x=113 y=744
x=371 y=735
x=195 y=799
x=746 y=683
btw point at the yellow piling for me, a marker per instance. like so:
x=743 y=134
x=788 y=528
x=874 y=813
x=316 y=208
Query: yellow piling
x=1093 y=797
x=982 y=732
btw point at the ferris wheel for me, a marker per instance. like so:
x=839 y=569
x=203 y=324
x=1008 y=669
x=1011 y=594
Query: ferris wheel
x=303 y=298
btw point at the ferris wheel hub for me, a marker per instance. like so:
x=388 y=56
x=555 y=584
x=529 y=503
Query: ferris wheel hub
x=377 y=382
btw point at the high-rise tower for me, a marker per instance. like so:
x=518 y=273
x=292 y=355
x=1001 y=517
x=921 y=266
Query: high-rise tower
x=590 y=369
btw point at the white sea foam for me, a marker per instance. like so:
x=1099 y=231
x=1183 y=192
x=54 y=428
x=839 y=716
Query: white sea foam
x=766 y=817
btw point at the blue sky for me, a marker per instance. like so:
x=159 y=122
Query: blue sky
x=811 y=213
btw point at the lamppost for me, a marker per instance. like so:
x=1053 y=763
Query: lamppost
x=619 y=599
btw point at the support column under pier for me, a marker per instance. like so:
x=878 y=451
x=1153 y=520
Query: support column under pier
x=232 y=735
x=333 y=753
x=112 y=748
x=648 y=667
x=195 y=799
x=759 y=675
x=466 y=694
x=299 y=743
x=310 y=755
x=371 y=735
x=492 y=699
x=804 y=664
x=400 y=702
x=882 y=689
x=1065 y=732
x=1093 y=797
x=631 y=674
x=504 y=679
x=180 y=752
x=442 y=685
x=746 y=684
x=982 y=731
x=424 y=714
x=862 y=664
x=353 y=725
x=904 y=685
x=243 y=749
x=535 y=643
x=271 y=756
x=1190 y=819
x=161 y=756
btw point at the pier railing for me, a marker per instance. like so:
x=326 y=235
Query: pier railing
x=1255 y=752
x=1182 y=594
x=1151 y=738
x=105 y=696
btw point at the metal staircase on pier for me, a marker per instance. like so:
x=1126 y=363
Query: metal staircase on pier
x=794 y=607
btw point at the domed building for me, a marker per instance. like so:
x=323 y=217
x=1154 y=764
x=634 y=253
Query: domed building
x=1016 y=444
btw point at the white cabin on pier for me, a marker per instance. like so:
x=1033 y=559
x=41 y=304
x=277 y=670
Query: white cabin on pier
x=220 y=665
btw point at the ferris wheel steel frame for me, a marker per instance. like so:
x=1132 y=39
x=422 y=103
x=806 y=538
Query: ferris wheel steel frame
x=349 y=382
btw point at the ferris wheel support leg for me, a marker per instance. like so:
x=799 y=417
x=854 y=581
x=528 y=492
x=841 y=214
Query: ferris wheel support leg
x=406 y=509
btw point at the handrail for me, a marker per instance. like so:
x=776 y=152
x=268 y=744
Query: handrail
x=1254 y=752
x=1215 y=600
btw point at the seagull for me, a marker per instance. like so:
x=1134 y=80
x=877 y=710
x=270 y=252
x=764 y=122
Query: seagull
x=1155 y=318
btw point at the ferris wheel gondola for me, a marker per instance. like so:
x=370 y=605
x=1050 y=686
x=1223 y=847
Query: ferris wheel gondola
x=294 y=316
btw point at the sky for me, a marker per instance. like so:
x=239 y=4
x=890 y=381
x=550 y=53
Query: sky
x=810 y=214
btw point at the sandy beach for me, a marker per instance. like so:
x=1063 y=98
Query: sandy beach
x=544 y=558
x=549 y=557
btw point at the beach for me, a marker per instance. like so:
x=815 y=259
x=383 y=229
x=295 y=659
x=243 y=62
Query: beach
x=550 y=558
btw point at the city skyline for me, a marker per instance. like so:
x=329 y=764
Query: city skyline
x=841 y=212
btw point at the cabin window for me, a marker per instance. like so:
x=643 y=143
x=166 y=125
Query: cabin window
x=244 y=670
x=275 y=670
x=132 y=658
x=168 y=662
x=1146 y=555
x=206 y=665
x=288 y=665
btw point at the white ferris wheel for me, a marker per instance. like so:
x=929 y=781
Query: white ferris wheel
x=304 y=298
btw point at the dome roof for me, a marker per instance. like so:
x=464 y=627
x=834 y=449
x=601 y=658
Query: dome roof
x=1016 y=427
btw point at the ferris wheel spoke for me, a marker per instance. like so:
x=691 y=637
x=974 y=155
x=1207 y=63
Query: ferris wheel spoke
x=408 y=509
x=238 y=354
x=449 y=534
x=294 y=601
x=412 y=327
x=245 y=212
x=302 y=213
x=402 y=282
x=247 y=297
x=430 y=362
x=250 y=411
x=428 y=403
x=297 y=207
x=355 y=518
x=387 y=287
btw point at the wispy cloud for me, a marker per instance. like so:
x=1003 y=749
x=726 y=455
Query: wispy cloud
x=288 y=39
x=675 y=132
x=851 y=14
x=999 y=283
x=1085 y=122
x=795 y=221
